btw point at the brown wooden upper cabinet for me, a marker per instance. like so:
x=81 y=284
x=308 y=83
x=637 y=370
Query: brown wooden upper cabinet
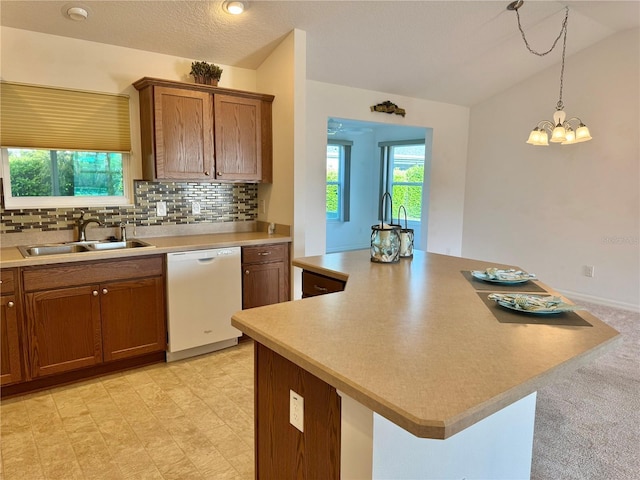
x=200 y=132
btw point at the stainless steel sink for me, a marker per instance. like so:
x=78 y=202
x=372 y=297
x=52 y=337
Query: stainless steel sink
x=78 y=247
x=117 y=245
x=51 y=249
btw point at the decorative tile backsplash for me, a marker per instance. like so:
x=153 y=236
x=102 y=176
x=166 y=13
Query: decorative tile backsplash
x=219 y=202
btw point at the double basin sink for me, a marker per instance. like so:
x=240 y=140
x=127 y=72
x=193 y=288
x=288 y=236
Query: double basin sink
x=78 y=247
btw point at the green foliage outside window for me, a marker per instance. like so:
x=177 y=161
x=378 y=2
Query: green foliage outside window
x=407 y=191
x=37 y=173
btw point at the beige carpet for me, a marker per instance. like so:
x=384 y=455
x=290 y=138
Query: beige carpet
x=588 y=425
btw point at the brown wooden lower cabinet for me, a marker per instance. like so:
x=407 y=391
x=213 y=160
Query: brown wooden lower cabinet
x=130 y=312
x=10 y=321
x=63 y=329
x=84 y=316
x=265 y=278
x=282 y=451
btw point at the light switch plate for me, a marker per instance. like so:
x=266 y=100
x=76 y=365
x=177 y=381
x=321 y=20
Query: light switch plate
x=195 y=208
x=296 y=410
x=161 y=209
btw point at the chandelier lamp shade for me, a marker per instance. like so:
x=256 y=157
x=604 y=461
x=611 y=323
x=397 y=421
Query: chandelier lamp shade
x=560 y=130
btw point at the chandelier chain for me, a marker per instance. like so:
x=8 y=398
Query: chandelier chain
x=563 y=31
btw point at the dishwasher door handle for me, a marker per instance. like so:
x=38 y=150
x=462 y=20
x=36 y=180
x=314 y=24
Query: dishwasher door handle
x=206 y=260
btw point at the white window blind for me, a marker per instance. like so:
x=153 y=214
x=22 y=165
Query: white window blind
x=35 y=116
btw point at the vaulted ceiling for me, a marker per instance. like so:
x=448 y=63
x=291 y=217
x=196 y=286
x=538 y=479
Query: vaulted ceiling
x=459 y=52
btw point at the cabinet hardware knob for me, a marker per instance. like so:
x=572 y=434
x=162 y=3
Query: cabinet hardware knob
x=10 y=304
x=95 y=293
x=105 y=291
x=219 y=174
x=246 y=272
x=264 y=253
x=320 y=289
x=206 y=172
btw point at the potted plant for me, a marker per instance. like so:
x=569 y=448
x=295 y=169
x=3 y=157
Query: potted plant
x=206 y=73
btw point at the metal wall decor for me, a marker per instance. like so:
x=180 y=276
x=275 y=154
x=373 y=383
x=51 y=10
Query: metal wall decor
x=388 y=107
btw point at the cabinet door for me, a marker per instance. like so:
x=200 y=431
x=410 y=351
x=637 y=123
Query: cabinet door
x=184 y=134
x=11 y=370
x=238 y=138
x=63 y=328
x=263 y=284
x=133 y=318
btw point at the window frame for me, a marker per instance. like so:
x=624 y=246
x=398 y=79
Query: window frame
x=344 y=180
x=17 y=203
x=386 y=173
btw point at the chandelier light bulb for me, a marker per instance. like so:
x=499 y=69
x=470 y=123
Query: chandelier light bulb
x=570 y=137
x=544 y=139
x=559 y=134
x=534 y=137
x=582 y=134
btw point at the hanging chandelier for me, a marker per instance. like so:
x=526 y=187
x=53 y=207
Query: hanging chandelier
x=560 y=130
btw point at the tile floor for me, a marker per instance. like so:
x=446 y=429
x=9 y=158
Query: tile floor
x=191 y=419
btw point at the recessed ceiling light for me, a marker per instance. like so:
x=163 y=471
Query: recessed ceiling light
x=77 y=13
x=235 y=8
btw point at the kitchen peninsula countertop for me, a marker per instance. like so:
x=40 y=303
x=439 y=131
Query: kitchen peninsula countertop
x=11 y=256
x=414 y=342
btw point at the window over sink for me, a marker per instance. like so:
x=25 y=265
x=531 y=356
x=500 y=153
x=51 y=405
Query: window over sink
x=64 y=148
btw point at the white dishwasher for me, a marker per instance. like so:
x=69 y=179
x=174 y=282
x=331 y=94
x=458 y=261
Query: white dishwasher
x=204 y=288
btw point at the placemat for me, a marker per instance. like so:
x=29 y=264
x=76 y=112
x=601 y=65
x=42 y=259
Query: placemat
x=528 y=287
x=504 y=315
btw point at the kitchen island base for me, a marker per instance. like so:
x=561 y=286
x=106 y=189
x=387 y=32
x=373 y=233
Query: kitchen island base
x=497 y=447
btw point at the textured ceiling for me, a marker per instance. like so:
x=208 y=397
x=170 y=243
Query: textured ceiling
x=458 y=52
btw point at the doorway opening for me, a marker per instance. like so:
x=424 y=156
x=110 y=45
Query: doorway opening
x=364 y=160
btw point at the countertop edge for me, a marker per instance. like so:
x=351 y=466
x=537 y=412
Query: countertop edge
x=159 y=245
x=420 y=427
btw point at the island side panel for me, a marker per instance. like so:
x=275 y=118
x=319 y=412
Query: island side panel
x=282 y=451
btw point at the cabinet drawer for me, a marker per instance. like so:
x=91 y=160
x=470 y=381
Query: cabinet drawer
x=264 y=253
x=83 y=273
x=8 y=281
x=314 y=284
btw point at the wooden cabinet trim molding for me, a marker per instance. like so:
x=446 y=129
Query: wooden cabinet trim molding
x=61 y=275
x=157 y=82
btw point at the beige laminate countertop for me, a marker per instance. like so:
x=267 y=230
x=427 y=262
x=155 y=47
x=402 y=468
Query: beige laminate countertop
x=414 y=342
x=11 y=256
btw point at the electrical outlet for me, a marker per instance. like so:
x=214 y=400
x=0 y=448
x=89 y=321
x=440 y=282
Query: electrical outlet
x=588 y=271
x=195 y=208
x=161 y=209
x=263 y=206
x=296 y=410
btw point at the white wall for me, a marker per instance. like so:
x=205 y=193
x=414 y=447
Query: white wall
x=276 y=76
x=42 y=59
x=553 y=209
x=450 y=127
x=283 y=74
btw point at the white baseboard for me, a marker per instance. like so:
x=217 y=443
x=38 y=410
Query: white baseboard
x=600 y=301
